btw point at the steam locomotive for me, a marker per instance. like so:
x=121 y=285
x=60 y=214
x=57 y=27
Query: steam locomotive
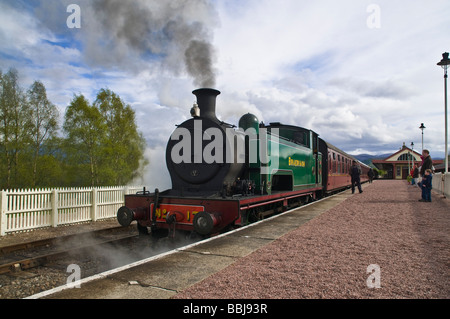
x=223 y=176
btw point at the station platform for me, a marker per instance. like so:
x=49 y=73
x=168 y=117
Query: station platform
x=381 y=243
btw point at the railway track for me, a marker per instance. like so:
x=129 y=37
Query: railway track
x=32 y=267
x=52 y=241
x=29 y=255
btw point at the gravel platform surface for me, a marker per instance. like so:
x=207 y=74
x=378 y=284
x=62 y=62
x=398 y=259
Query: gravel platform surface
x=329 y=257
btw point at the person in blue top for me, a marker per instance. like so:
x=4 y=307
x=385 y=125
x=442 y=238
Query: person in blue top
x=426 y=186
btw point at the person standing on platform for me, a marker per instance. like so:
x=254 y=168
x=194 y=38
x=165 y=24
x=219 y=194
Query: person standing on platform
x=426 y=186
x=370 y=174
x=355 y=173
x=427 y=162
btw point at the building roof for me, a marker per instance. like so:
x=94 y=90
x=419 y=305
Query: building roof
x=398 y=158
x=403 y=150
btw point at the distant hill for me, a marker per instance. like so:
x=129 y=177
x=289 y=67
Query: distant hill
x=367 y=158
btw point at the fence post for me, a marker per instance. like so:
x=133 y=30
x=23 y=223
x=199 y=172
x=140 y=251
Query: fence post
x=55 y=208
x=446 y=183
x=3 y=209
x=94 y=205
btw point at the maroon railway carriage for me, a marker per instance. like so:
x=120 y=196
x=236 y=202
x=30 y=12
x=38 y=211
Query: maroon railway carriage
x=336 y=166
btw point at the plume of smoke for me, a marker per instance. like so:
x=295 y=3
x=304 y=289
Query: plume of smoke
x=199 y=63
x=166 y=36
x=174 y=34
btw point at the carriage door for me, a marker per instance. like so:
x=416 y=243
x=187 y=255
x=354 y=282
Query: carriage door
x=317 y=158
x=319 y=169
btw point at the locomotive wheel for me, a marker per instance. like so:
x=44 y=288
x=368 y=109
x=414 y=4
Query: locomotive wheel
x=124 y=216
x=203 y=223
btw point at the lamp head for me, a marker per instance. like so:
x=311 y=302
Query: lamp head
x=445 y=62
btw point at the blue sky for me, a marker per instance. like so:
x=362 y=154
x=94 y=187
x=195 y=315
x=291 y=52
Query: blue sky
x=316 y=64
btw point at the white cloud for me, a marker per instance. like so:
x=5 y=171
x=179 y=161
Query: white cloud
x=318 y=65
x=313 y=64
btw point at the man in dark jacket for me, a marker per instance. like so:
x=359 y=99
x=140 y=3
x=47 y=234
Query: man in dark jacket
x=355 y=173
x=427 y=162
x=371 y=174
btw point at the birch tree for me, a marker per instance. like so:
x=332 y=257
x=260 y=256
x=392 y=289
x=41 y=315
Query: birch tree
x=13 y=133
x=85 y=136
x=42 y=123
x=124 y=147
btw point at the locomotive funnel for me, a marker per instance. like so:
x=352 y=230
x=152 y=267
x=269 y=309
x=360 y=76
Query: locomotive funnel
x=206 y=101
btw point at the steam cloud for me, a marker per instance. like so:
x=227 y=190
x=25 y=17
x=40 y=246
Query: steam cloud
x=174 y=35
x=199 y=63
x=172 y=30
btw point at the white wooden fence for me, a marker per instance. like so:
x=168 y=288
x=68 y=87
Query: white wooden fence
x=36 y=208
x=441 y=183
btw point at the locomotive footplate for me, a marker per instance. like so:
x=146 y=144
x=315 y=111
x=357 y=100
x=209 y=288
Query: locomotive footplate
x=204 y=216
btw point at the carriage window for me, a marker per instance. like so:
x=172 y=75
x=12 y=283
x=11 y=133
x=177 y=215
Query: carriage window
x=339 y=164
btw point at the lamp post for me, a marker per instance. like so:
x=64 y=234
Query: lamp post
x=409 y=162
x=413 y=157
x=422 y=127
x=444 y=63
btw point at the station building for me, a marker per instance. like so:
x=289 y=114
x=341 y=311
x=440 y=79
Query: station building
x=399 y=164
